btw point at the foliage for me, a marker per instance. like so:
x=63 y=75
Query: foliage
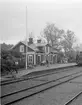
x=71 y=56
x=52 y=35
x=60 y=39
x=60 y=56
x=67 y=43
x=69 y=39
x=8 y=59
x=5 y=46
x=7 y=62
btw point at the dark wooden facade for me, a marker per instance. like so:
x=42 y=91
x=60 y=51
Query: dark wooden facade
x=36 y=56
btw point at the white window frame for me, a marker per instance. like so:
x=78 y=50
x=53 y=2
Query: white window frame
x=40 y=57
x=47 y=49
x=30 y=60
x=21 y=48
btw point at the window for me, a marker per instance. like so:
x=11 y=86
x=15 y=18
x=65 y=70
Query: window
x=51 y=57
x=30 y=58
x=47 y=49
x=81 y=53
x=21 y=48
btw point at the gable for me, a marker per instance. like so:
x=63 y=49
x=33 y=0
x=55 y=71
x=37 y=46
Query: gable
x=20 y=45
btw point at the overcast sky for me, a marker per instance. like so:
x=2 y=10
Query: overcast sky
x=65 y=14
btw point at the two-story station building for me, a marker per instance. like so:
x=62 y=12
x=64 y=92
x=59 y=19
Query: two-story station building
x=36 y=52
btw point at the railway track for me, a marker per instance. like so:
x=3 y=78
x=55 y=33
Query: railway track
x=22 y=94
x=70 y=102
x=37 y=75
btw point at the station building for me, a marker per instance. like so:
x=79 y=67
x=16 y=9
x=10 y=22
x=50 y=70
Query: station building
x=36 y=52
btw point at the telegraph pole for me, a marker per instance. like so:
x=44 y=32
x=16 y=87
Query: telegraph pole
x=26 y=39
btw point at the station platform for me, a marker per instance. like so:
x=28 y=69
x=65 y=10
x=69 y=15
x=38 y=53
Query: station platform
x=23 y=72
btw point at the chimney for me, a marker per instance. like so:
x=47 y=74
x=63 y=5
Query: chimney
x=30 y=41
x=39 y=41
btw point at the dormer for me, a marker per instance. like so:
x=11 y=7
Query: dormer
x=47 y=48
x=39 y=41
x=40 y=45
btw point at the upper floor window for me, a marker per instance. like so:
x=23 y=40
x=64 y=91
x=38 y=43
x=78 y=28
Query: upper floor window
x=47 y=49
x=21 y=48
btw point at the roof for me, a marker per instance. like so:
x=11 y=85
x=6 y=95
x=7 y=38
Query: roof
x=32 y=46
x=42 y=44
x=15 y=45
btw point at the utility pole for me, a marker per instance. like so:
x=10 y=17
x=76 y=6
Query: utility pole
x=26 y=39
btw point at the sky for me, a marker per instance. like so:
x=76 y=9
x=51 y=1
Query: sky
x=65 y=14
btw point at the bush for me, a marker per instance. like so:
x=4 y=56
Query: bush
x=9 y=59
x=21 y=64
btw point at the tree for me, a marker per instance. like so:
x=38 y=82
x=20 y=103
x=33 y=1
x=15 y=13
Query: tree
x=7 y=61
x=52 y=35
x=69 y=39
x=60 y=39
x=5 y=46
x=67 y=43
x=60 y=57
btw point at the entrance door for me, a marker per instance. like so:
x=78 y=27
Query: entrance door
x=39 y=59
x=30 y=59
x=54 y=59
